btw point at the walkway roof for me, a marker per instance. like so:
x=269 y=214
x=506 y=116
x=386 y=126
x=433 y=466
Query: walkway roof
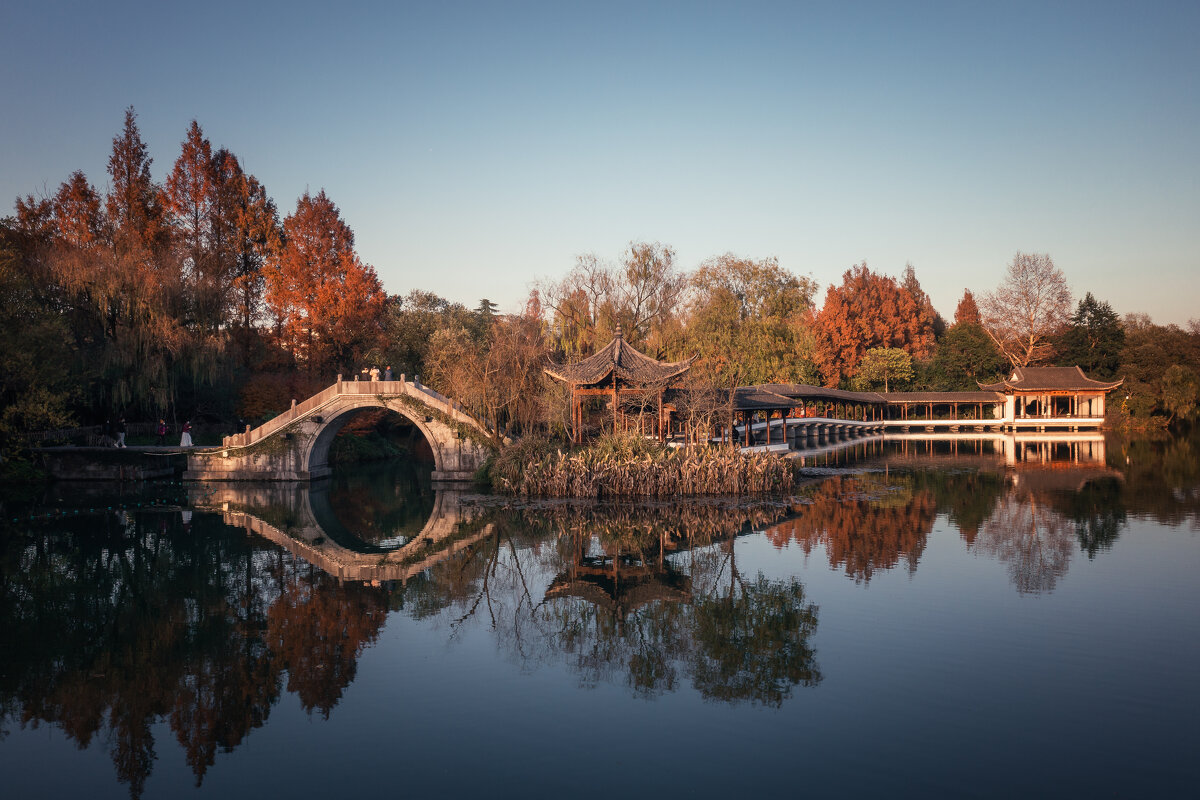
x=943 y=397
x=804 y=391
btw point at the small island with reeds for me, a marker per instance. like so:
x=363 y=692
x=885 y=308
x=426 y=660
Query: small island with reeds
x=632 y=466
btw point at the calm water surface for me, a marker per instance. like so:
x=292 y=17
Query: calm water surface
x=951 y=618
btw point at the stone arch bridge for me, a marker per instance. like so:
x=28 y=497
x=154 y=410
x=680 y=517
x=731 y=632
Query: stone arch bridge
x=295 y=445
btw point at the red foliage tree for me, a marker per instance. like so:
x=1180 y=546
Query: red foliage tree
x=77 y=217
x=866 y=311
x=967 y=310
x=328 y=305
x=135 y=203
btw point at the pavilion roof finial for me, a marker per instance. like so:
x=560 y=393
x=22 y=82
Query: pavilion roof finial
x=618 y=334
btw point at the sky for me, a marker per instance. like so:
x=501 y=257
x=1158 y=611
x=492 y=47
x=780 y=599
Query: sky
x=476 y=148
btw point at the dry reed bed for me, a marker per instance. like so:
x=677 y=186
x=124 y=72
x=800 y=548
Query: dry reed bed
x=668 y=473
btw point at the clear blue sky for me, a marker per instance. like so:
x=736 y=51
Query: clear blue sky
x=476 y=147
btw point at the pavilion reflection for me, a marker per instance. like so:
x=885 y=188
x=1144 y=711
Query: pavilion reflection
x=652 y=597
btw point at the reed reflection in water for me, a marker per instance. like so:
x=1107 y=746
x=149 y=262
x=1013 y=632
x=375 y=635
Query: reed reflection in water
x=119 y=621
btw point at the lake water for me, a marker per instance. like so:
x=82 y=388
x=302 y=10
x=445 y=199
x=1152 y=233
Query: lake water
x=960 y=618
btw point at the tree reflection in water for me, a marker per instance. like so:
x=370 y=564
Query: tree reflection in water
x=865 y=523
x=112 y=623
x=648 y=597
x=115 y=622
x=1037 y=523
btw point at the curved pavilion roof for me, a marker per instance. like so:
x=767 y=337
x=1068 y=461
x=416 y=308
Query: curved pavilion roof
x=619 y=359
x=1049 y=379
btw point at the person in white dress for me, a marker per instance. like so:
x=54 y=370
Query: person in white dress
x=186 y=439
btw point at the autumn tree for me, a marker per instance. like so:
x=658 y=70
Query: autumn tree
x=859 y=533
x=1029 y=307
x=868 y=310
x=327 y=304
x=135 y=202
x=190 y=196
x=225 y=228
x=909 y=283
x=78 y=220
x=967 y=310
x=246 y=234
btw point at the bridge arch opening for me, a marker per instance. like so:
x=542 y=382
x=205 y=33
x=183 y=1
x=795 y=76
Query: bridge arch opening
x=397 y=425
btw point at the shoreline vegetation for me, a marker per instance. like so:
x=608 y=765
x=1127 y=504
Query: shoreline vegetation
x=197 y=296
x=628 y=466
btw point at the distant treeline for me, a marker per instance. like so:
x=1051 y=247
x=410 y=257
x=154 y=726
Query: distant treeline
x=191 y=298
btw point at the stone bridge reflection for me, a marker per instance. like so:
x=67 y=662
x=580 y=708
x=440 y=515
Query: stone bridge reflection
x=653 y=597
x=300 y=517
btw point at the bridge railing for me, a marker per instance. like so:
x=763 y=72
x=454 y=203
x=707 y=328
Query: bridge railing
x=430 y=397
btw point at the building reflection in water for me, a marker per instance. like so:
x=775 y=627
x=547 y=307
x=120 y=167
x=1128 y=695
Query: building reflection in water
x=649 y=597
x=1026 y=500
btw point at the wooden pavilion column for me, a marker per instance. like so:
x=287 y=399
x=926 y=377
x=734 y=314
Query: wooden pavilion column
x=661 y=438
x=576 y=413
x=615 y=404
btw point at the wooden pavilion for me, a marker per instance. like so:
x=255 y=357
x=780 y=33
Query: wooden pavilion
x=618 y=372
x=1042 y=392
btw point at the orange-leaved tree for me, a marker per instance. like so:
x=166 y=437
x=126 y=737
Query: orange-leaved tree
x=967 y=310
x=327 y=304
x=869 y=310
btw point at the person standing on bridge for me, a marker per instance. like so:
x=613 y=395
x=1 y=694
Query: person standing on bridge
x=374 y=374
x=387 y=374
x=120 y=432
x=162 y=432
x=186 y=439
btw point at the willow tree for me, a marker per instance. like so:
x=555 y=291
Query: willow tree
x=641 y=294
x=750 y=321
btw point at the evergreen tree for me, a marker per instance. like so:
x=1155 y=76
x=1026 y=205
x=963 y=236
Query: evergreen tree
x=966 y=356
x=1094 y=339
